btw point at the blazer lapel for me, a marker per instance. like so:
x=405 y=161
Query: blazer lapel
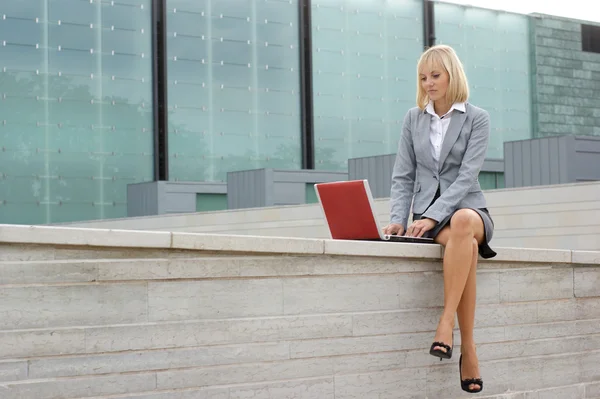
x=456 y=123
x=424 y=140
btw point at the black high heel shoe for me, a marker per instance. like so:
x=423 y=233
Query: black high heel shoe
x=466 y=384
x=440 y=353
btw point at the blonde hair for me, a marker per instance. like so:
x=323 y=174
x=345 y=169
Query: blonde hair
x=445 y=57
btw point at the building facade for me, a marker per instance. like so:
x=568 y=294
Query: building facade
x=283 y=84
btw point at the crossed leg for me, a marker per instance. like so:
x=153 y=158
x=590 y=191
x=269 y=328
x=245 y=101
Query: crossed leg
x=461 y=240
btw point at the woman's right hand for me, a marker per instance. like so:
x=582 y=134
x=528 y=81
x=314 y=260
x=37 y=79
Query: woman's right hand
x=394 y=229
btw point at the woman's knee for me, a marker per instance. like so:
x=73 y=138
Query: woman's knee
x=463 y=221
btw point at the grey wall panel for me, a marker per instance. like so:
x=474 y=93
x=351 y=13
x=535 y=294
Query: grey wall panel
x=535 y=163
x=268 y=187
x=527 y=165
x=554 y=159
x=518 y=164
x=180 y=203
x=376 y=169
x=246 y=189
x=142 y=199
x=586 y=166
x=493 y=165
x=162 y=197
x=289 y=193
x=509 y=164
x=587 y=144
x=196 y=187
x=307 y=176
x=566 y=146
x=544 y=161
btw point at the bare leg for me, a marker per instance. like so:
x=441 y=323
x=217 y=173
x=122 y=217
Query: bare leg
x=466 y=320
x=460 y=266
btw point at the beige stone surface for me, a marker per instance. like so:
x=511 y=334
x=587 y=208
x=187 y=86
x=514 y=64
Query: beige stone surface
x=384 y=249
x=83 y=236
x=586 y=257
x=72 y=305
x=245 y=320
x=240 y=243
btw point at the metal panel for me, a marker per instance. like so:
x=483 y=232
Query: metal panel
x=377 y=170
x=289 y=193
x=586 y=163
x=142 y=199
x=493 y=165
x=587 y=144
x=196 y=187
x=526 y=162
x=180 y=203
x=267 y=193
x=268 y=187
x=246 y=189
x=509 y=165
x=307 y=176
x=544 y=161
x=535 y=163
x=518 y=164
x=566 y=148
x=554 y=160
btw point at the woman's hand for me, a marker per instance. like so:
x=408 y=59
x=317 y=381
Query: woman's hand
x=420 y=227
x=393 y=229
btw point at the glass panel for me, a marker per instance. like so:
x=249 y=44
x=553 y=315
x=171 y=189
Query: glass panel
x=494 y=47
x=234 y=87
x=75 y=108
x=487 y=180
x=500 y=180
x=311 y=194
x=211 y=202
x=364 y=79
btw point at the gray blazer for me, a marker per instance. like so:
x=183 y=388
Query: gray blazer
x=461 y=157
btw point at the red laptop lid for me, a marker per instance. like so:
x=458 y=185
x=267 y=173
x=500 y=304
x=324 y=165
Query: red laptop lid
x=347 y=208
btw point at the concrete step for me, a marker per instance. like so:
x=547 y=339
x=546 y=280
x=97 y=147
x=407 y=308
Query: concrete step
x=379 y=330
x=135 y=301
x=434 y=381
x=351 y=359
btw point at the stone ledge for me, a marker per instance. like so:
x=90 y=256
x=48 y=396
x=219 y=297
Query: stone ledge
x=85 y=237
x=586 y=257
x=69 y=236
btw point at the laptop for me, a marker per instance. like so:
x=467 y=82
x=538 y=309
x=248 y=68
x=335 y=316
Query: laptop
x=350 y=214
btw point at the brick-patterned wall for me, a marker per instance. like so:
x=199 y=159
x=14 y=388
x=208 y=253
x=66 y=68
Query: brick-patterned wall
x=566 y=80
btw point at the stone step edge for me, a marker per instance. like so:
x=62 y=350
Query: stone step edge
x=71 y=236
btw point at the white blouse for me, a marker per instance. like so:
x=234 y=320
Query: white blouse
x=439 y=127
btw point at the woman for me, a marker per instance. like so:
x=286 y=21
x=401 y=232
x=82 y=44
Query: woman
x=441 y=151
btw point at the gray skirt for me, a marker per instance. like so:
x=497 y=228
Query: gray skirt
x=488 y=225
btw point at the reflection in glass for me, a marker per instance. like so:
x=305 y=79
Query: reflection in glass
x=364 y=60
x=233 y=87
x=75 y=108
x=494 y=47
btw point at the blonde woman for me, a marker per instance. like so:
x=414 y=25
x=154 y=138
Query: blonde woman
x=441 y=151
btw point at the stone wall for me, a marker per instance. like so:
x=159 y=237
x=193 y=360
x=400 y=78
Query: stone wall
x=566 y=79
x=155 y=315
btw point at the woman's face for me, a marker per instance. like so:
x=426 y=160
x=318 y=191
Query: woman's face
x=434 y=80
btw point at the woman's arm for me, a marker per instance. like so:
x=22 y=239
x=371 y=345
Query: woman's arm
x=403 y=176
x=468 y=172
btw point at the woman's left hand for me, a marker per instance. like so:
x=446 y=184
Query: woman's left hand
x=420 y=227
